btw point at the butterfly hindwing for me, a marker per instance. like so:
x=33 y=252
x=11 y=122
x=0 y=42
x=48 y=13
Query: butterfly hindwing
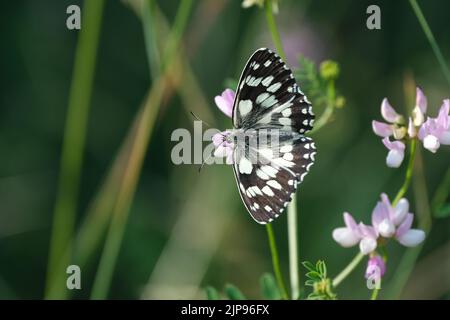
x=267 y=185
x=268 y=96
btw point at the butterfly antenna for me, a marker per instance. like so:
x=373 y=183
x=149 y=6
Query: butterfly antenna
x=197 y=118
x=204 y=162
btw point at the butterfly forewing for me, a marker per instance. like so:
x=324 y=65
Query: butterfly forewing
x=268 y=96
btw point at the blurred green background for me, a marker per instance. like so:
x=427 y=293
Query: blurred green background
x=185 y=229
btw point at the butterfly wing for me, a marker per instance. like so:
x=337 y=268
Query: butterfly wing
x=268 y=96
x=266 y=185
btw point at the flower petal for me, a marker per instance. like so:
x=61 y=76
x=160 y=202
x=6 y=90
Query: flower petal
x=412 y=238
x=382 y=129
x=412 y=132
x=367 y=245
x=395 y=158
x=225 y=102
x=386 y=228
x=350 y=222
x=405 y=225
x=379 y=213
x=388 y=113
x=445 y=137
x=421 y=100
x=431 y=143
x=345 y=237
x=217 y=139
x=442 y=120
x=375 y=267
x=400 y=211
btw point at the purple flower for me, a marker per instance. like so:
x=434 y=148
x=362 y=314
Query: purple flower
x=388 y=221
x=376 y=267
x=349 y=235
x=383 y=129
x=388 y=113
x=224 y=148
x=436 y=131
x=412 y=131
x=225 y=102
x=396 y=152
x=369 y=237
x=407 y=236
x=420 y=109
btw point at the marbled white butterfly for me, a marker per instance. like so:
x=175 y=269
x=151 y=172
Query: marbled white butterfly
x=268 y=99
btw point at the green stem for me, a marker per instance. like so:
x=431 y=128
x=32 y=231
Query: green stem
x=72 y=150
x=151 y=36
x=276 y=262
x=273 y=29
x=348 y=269
x=426 y=29
x=326 y=115
x=375 y=293
x=293 y=249
x=409 y=173
x=292 y=208
x=130 y=179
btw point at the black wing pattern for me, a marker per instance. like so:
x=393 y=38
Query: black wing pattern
x=268 y=96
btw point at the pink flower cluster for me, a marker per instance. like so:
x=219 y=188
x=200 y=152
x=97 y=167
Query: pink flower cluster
x=432 y=132
x=388 y=221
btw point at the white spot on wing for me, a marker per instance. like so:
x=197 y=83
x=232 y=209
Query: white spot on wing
x=274 y=87
x=268 y=191
x=274 y=184
x=245 y=106
x=267 y=80
x=270 y=171
x=245 y=166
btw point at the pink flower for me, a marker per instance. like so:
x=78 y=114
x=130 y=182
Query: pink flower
x=396 y=152
x=383 y=129
x=388 y=221
x=225 y=102
x=224 y=148
x=407 y=236
x=369 y=238
x=389 y=114
x=376 y=267
x=420 y=109
x=385 y=218
x=436 y=131
x=349 y=235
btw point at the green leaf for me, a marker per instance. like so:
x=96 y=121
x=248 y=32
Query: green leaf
x=269 y=288
x=308 y=265
x=309 y=283
x=211 y=293
x=443 y=211
x=314 y=275
x=321 y=268
x=233 y=293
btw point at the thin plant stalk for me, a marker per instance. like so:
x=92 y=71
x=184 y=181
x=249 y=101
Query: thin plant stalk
x=276 y=262
x=429 y=34
x=348 y=269
x=72 y=150
x=291 y=210
x=125 y=196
